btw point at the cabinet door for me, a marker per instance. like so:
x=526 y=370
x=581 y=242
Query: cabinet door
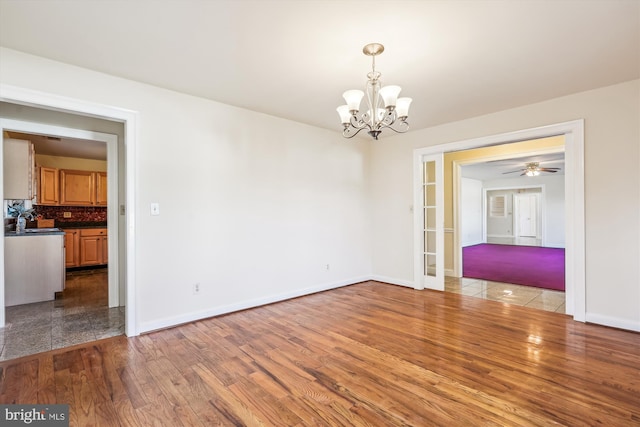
x=105 y=250
x=72 y=248
x=90 y=250
x=48 y=186
x=18 y=169
x=77 y=188
x=93 y=246
x=101 y=188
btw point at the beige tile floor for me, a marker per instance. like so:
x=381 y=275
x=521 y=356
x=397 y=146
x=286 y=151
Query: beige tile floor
x=542 y=299
x=80 y=315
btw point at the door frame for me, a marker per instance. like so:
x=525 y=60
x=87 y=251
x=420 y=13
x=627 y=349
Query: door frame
x=573 y=131
x=18 y=95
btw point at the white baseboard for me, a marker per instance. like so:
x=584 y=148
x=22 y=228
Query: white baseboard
x=614 y=322
x=473 y=243
x=243 y=305
x=554 y=245
x=393 y=281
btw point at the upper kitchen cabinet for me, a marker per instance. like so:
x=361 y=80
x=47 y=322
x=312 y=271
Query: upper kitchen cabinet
x=83 y=188
x=48 y=184
x=18 y=166
x=101 y=188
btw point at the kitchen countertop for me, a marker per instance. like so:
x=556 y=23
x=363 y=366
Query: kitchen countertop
x=36 y=232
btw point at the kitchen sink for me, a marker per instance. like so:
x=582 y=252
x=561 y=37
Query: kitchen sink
x=41 y=230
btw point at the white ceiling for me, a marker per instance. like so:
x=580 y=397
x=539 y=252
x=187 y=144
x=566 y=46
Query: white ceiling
x=504 y=169
x=65 y=147
x=293 y=59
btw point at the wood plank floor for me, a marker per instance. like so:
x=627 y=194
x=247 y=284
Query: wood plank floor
x=364 y=355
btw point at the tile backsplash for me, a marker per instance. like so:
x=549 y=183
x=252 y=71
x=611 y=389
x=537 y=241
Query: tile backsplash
x=78 y=213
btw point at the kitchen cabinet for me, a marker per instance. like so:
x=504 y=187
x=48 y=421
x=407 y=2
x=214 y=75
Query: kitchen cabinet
x=93 y=246
x=77 y=188
x=33 y=268
x=18 y=168
x=82 y=188
x=101 y=188
x=72 y=247
x=48 y=184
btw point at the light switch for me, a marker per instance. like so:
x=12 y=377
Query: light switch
x=155 y=208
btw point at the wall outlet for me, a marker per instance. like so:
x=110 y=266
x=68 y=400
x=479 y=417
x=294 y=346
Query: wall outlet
x=66 y=214
x=327 y=267
x=196 y=288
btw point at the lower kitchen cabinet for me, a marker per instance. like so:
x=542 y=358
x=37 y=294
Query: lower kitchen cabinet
x=72 y=247
x=33 y=268
x=93 y=246
x=86 y=246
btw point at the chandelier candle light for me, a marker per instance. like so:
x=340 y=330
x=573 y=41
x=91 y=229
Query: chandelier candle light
x=384 y=109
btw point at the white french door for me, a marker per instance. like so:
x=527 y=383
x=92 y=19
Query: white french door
x=429 y=220
x=527 y=215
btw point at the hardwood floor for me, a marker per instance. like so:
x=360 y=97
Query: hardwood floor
x=364 y=355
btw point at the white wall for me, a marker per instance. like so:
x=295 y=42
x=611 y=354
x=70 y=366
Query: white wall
x=553 y=216
x=252 y=207
x=471 y=211
x=612 y=187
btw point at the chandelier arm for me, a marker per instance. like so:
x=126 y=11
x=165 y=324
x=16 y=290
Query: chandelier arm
x=403 y=123
x=347 y=132
x=360 y=122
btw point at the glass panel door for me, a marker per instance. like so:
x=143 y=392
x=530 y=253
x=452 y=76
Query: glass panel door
x=433 y=222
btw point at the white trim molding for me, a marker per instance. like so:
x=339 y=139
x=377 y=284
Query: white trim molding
x=573 y=131
x=168 y=322
x=613 y=322
x=23 y=96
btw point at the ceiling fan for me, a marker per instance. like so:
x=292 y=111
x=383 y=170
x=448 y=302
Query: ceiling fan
x=533 y=169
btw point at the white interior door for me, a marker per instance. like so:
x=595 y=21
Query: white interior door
x=527 y=219
x=430 y=266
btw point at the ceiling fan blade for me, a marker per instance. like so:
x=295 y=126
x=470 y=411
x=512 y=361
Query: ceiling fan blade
x=519 y=170
x=523 y=173
x=552 y=170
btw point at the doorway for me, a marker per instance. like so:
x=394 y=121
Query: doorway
x=124 y=151
x=89 y=306
x=573 y=134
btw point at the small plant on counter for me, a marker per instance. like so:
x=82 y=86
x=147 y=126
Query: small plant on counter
x=17 y=210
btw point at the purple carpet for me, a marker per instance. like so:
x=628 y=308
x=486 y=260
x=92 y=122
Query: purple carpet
x=522 y=265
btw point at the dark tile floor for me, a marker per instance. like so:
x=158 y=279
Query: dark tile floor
x=80 y=315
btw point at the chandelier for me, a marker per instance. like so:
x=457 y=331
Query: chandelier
x=384 y=109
